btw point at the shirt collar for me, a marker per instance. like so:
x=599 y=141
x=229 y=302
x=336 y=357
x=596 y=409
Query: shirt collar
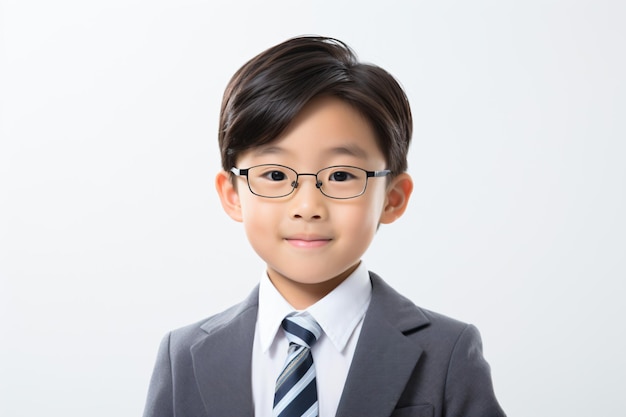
x=338 y=313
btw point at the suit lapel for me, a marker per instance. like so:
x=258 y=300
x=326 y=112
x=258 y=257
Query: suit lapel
x=383 y=361
x=222 y=361
x=385 y=356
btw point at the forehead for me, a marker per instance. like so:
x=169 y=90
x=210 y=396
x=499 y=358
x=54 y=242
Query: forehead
x=326 y=129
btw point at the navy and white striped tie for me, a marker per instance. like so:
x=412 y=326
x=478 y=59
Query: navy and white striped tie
x=296 y=389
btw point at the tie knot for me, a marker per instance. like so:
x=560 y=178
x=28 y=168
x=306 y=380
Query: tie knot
x=302 y=330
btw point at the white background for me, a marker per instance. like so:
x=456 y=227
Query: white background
x=112 y=234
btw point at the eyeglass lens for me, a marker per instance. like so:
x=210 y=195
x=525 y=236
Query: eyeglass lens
x=279 y=181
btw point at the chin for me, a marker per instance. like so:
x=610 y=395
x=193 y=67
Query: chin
x=315 y=279
x=311 y=278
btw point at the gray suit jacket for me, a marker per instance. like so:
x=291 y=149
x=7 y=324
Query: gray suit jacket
x=408 y=362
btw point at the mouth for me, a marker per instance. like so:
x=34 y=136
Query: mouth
x=308 y=241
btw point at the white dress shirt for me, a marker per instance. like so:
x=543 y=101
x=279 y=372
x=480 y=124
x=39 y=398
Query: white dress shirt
x=339 y=314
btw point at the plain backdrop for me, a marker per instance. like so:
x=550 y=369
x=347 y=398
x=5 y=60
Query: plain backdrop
x=112 y=234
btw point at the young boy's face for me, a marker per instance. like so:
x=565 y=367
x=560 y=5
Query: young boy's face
x=309 y=241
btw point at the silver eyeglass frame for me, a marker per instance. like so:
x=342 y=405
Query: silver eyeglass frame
x=243 y=172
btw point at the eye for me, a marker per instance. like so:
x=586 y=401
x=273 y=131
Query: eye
x=340 y=176
x=275 y=175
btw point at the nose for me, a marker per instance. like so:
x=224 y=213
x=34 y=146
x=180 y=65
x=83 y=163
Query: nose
x=307 y=202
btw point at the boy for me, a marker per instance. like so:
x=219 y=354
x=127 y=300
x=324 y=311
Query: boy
x=314 y=149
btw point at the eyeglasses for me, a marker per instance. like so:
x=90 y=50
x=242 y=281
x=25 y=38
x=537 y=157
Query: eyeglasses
x=275 y=181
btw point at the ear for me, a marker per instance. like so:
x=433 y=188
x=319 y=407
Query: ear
x=229 y=197
x=397 y=198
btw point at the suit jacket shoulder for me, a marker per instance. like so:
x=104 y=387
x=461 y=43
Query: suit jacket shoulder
x=199 y=365
x=183 y=338
x=418 y=362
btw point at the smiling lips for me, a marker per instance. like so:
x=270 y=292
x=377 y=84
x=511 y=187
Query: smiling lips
x=307 y=241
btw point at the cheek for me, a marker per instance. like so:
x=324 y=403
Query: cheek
x=259 y=220
x=375 y=204
x=360 y=221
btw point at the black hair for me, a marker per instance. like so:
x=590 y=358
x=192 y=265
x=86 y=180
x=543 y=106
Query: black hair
x=269 y=91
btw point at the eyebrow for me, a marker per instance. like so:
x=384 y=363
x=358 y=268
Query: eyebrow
x=269 y=150
x=350 y=150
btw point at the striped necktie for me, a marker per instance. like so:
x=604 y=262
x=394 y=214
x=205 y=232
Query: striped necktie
x=296 y=389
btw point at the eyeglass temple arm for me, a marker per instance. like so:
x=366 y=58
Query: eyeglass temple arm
x=238 y=171
x=378 y=173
